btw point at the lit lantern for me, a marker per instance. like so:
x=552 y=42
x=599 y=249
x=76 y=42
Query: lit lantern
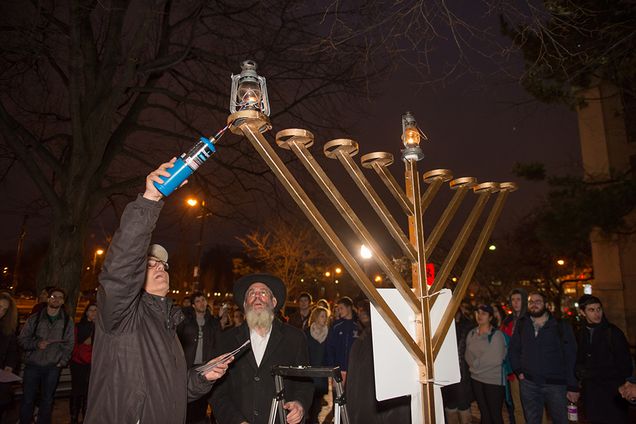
x=411 y=136
x=249 y=91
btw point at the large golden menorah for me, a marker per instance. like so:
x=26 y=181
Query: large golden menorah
x=418 y=295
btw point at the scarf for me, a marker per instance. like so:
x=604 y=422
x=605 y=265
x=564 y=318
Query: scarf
x=318 y=333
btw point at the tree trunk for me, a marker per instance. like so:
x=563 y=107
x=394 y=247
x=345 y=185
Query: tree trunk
x=64 y=260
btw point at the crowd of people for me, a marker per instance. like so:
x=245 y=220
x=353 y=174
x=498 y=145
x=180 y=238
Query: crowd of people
x=538 y=367
x=138 y=357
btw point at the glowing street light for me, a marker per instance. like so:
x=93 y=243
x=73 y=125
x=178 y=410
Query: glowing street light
x=193 y=202
x=98 y=252
x=365 y=253
x=492 y=247
x=560 y=262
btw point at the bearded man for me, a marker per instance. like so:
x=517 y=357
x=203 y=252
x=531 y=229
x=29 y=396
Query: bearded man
x=245 y=394
x=542 y=353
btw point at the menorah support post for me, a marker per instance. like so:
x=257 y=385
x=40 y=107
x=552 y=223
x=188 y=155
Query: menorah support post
x=483 y=192
x=416 y=227
x=348 y=214
x=372 y=197
x=379 y=161
x=471 y=265
x=461 y=187
x=251 y=124
x=434 y=179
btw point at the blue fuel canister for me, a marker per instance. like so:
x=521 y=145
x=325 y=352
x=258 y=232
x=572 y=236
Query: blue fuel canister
x=186 y=164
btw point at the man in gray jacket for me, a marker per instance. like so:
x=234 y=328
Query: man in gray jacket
x=139 y=372
x=47 y=341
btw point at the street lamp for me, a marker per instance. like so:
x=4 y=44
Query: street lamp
x=98 y=252
x=365 y=253
x=193 y=202
x=560 y=262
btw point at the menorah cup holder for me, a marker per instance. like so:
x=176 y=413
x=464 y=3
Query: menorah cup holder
x=416 y=295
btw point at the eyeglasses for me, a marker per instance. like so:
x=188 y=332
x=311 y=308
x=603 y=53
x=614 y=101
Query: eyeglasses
x=152 y=263
x=262 y=293
x=535 y=302
x=54 y=296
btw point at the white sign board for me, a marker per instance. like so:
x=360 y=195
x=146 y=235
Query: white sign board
x=396 y=372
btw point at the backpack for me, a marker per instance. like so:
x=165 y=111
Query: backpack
x=37 y=322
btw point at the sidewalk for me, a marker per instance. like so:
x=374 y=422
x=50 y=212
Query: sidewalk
x=61 y=413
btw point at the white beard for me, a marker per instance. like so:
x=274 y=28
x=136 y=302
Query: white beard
x=259 y=319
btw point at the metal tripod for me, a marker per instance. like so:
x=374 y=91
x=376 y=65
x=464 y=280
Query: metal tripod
x=277 y=410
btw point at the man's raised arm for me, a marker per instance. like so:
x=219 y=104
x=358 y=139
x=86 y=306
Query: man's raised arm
x=123 y=274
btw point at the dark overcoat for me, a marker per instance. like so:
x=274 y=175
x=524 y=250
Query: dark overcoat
x=139 y=372
x=188 y=332
x=247 y=390
x=603 y=364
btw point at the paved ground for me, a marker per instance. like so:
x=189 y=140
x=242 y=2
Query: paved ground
x=61 y=414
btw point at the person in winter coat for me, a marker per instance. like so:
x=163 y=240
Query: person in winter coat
x=245 y=394
x=198 y=334
x=485 y=354
x=542 y=354
x=341 y=336
x=47 y=341
x=139 y=370
x=316 y=334
x=362 y=405
x=518 y=303
x=81 y=362
x=8 y=347
x=603 y=364
x=458 y=397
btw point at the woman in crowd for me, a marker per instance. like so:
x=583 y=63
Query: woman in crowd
x=8 y=347
x=225 y=317
x=316 y=333
x=237 y=317
x=498 y=315
x=485 y=354
x=80 y=363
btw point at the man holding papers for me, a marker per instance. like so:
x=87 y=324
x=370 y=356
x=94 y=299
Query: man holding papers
x=245 y=394
x=139 y=370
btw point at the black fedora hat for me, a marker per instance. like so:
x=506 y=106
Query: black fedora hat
x=275 y=284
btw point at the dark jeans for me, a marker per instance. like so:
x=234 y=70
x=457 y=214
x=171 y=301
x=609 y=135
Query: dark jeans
x=535 y=396
x=490 y=398
x=37 y=377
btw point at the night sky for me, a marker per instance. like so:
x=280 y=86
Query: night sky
x=478 y=125
x=475 y=128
